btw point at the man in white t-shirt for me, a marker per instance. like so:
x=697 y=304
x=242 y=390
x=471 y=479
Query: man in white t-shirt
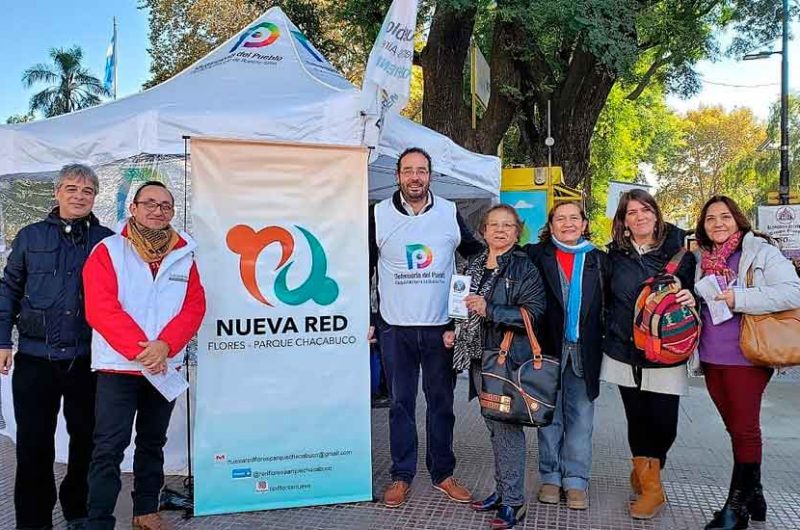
x=413 y=237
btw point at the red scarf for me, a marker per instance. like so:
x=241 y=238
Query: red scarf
x=716 y=261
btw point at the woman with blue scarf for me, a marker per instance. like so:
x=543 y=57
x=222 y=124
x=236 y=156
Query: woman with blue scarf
x=572 y=271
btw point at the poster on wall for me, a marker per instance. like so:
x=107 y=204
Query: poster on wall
x=531 y=205
x=283 y=412
x=783 y=224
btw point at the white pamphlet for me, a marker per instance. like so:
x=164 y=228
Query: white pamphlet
x=708 y=288
x=171 y=384
x=459 y=289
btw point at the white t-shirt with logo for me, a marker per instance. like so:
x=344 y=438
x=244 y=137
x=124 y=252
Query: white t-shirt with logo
x=416 y=261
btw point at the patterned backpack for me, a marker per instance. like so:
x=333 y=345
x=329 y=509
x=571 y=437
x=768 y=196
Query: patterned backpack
x=663 y=329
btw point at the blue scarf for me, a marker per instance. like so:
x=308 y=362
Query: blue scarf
x=572 y=328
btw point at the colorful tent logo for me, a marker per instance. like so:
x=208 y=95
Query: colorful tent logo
x=258 y=36
x=248 y=244
x=418 y=256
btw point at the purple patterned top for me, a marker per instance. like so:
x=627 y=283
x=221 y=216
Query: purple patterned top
x=720 y=344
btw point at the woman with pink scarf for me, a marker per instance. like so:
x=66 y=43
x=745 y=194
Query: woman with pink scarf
x=728 y=249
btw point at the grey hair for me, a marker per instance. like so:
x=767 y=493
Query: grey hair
x=80 y=172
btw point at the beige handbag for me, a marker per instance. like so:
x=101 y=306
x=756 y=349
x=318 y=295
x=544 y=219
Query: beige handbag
x=772 y=339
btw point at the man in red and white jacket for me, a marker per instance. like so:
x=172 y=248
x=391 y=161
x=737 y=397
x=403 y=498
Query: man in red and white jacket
x=144 y=301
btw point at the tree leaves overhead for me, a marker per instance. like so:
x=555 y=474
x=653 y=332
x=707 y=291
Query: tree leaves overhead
x=718 y=155
x=569 y=52
x=71 y=88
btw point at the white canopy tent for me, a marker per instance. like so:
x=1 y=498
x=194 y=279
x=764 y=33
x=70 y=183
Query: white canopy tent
x=267 y=82
x=284 y=90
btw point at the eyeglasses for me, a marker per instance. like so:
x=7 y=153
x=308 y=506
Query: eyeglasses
x=407 y=172
x=151 y=206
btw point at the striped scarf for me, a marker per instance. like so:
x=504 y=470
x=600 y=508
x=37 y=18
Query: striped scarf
x=469 y=336
x=151 y=244
x=573 y=305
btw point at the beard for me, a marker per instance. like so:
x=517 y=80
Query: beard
x=414 y=195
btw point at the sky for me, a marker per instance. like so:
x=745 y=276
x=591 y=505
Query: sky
x=754 y=84
x=39 y=25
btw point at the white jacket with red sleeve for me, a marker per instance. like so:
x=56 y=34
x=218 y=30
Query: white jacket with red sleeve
x=125 y=305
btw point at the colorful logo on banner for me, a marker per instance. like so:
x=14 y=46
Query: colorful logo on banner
x=258 y=36
x=248 y=244
x=418 y=256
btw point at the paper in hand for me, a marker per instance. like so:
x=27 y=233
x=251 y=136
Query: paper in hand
x=171 y=384
x=708 y=288
x=459 y=289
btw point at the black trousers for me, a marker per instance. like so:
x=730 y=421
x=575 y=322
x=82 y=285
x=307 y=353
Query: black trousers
x=38 y=385
x=652 y=422
x=120 y=398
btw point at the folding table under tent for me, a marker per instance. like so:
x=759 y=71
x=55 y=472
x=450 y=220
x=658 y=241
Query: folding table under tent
x=271 y=85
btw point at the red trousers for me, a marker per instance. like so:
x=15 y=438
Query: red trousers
x=737 y=392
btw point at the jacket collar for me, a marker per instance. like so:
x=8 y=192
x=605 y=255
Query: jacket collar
x=397 y=201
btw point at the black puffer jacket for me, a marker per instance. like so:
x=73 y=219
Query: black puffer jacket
x=42 y=290
x=628 y=271
x=517 y=285
x=551 y=336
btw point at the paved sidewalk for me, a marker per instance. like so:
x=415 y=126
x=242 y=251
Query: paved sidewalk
x=696 y=476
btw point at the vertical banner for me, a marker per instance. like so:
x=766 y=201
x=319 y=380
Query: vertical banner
x=283 y=413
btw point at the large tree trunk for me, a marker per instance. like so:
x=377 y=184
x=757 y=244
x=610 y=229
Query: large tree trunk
x=443 y=107
x=518 y=90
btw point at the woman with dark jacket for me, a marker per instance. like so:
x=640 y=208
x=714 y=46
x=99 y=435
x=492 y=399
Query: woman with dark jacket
x=642 y=246
x=504 y=281
x=572 y=271
x=728 y=250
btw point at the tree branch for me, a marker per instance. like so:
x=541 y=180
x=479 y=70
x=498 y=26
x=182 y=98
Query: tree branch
x=648 y=76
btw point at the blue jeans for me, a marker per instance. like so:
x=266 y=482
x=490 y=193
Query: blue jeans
x=565 y=446
x=405 y=349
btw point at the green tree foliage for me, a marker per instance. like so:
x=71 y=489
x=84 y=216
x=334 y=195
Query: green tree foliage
x=631 y=138
x=20 y=118
x=774 y=134
x=569 y=52
x=70 y=86
x=718 y=155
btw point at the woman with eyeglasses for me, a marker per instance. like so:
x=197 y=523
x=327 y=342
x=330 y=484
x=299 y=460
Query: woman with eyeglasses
x=729 y=248
x=642 y=246
x=504 y=281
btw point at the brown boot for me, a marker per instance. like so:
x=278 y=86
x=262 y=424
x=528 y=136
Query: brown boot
x=150 y=521
x=639 y=462
x=652 y=500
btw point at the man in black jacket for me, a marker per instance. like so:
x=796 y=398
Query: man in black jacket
x=42 y=294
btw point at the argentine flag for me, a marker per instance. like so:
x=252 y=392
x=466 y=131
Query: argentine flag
x=110 y=79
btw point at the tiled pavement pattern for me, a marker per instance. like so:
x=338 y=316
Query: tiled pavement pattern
x=696 y=476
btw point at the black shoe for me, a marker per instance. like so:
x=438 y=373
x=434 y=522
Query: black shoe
x=734 y=514
x=508 y=516
x=757 y=505
x=492 y=502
